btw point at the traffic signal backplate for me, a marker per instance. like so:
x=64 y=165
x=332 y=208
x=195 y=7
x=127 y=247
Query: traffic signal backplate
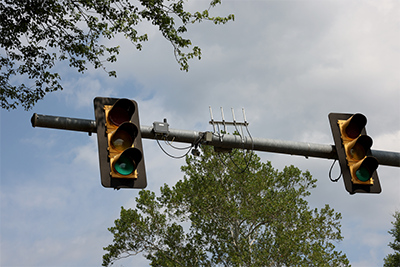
x=105 y=170
x=351 y=187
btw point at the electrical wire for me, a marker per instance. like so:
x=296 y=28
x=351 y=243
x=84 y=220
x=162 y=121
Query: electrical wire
x=230 y=156
x=330 y=173
x=244 y=156
x=174 y=157
x=175 y=147
x=252 y=142
x=195 y=144
x=234 y=163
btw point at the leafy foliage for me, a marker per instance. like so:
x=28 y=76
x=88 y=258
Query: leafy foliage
x=393 y=260
x=229 y=210
x=36 y=34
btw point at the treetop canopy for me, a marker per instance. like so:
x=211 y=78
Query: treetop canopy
x=37 y=34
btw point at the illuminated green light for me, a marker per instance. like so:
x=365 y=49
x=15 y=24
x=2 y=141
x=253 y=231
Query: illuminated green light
x=124 y=165
x=363 y=174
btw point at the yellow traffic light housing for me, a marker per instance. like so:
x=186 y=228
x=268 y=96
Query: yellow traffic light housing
x=120 y=145
x=353 y=148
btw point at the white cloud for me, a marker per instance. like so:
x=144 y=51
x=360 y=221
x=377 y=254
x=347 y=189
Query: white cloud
x=388 y=141
x=288 y=63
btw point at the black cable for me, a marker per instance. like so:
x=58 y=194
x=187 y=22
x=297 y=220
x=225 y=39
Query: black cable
x=174 y=157
x=244 y=156
x=330 y=173
x=220 y=137
x=234 y=163
x=252 y=143
x=175 y=147
x=223 y=163
x=195 y=143
x=230 y=156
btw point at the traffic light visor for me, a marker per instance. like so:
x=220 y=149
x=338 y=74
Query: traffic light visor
x=363 y=174
x=124 y=165
x=127 y=162
x=357 y=149
x=124 y=136
x=121 y=111
x=365 y=168
x=354 y=125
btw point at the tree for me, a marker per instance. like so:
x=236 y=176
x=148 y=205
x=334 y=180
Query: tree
x=229 y=210
x=393 y=260
x=37 y=34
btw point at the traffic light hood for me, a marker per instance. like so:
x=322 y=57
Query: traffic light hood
x=121 y=111
x=353 y=126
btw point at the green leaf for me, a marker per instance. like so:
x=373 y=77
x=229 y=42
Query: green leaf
x=77 y=30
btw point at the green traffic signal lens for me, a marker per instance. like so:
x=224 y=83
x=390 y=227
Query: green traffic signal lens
x=363 y=174
x=121 y=140
x=124 y=165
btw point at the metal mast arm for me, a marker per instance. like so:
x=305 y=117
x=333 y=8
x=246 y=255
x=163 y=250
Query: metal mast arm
x=226 y=141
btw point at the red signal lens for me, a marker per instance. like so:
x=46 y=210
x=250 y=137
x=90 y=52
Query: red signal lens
x=119 y=115
x=354 y=125
x=353 y=131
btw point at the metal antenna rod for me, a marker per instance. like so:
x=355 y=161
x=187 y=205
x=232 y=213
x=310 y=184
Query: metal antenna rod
x=223 y=119
x=233 y=115
x=212 y=119
x=244 y=121
x=222 y=114
x=234 y=119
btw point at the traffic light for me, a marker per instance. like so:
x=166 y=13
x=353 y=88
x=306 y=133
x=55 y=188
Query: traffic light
x=120 y=143
x=353 y=147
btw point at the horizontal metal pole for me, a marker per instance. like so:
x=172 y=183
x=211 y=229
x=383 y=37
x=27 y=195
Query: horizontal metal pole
x=257 y=144
x=270 y=145
x=63 y=123
x=223 y=141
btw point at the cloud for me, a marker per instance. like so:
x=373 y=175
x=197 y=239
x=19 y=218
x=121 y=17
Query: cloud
x=287 y=63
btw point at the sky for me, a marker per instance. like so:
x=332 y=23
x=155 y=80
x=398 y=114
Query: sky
x=287 y=63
